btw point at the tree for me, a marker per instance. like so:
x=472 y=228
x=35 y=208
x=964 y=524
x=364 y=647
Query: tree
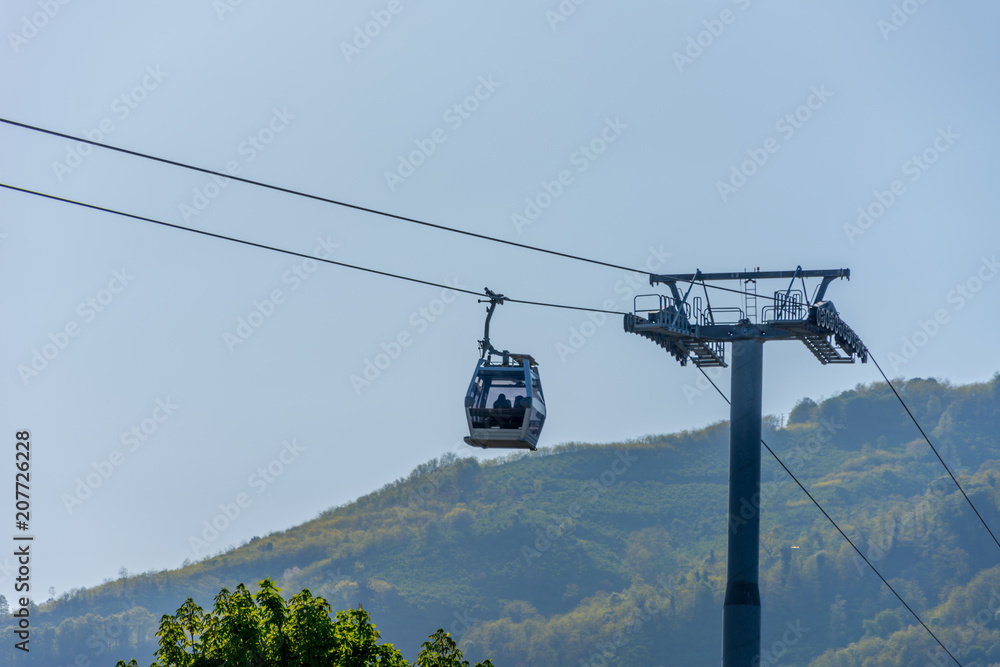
x=441 y=651
x=265 y=630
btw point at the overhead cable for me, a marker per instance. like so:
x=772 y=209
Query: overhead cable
x=356 y=207
x=933 y=448
x=290 y=252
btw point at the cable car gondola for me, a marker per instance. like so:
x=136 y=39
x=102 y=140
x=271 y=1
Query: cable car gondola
x=504 y=406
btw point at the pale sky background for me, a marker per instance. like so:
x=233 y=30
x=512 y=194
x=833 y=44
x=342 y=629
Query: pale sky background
x=192 y=81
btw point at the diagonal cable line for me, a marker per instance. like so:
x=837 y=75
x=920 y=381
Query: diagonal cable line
x=326 y=200
x=933 y=448
x=839 y=530
x=291 y=252
x=356 y=207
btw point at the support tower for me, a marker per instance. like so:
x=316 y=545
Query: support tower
x=689 y=329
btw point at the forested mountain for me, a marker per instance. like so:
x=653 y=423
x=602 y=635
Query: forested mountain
x=615 y=554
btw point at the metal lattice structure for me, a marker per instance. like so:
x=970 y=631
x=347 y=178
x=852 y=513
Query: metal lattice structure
x=695 y=330
x=692 y=329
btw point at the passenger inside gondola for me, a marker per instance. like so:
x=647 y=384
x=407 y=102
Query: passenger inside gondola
x=501 y=402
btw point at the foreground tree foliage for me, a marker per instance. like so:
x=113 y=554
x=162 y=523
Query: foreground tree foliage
x=265 y=630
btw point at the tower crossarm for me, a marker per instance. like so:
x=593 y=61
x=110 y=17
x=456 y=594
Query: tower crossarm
x=656 y=278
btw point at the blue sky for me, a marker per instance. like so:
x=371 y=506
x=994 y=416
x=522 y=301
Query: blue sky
x=714 y=135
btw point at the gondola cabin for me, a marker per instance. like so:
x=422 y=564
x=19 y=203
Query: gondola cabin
x=504 y=405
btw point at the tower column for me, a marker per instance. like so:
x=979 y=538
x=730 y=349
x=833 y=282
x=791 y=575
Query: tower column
x=741 y=610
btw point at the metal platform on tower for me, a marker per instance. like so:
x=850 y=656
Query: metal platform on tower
x=693 y=329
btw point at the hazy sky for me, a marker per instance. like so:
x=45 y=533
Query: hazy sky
x=168 y=378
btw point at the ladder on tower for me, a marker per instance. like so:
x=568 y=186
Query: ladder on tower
x=750 y=298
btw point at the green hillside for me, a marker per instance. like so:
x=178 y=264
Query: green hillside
x=615 y=554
